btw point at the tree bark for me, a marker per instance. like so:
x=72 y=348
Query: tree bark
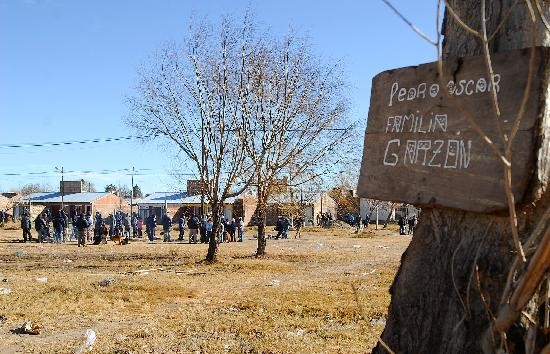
x=452 y=275
x=213 y=242
x=261 y=210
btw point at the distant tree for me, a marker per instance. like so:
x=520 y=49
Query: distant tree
x=33 y=188
x=88 y=186
x=110 y=188
x=123 y=191
x=347 y=203
x=137 y=192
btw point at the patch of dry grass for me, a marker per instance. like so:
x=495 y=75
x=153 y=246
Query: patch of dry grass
x=296 y=299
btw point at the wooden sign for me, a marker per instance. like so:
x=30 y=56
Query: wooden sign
x=420 y=147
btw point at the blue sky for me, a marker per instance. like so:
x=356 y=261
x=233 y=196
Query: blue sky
x=67 y=66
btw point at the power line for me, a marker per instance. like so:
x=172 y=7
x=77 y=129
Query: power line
x=74 y=142
x=127 y=138
x=125 y=171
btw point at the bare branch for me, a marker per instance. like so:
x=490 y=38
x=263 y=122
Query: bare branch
x=411 y=25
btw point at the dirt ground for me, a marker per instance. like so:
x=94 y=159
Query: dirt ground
x=299 y=298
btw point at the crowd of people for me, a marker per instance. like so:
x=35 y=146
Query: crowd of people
x=325 y=219
x=121 y=226
x=410 y=222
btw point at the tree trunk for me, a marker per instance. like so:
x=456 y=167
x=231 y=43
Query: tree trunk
x=213 y=243
x=261 y=209
x=452 y=275
x=389 y=216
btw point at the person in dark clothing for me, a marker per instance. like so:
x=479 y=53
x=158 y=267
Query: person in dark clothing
x=193 y=226
x=286 y=227
x=230 y=228
x=41 y=225
x=133 y=221
x=58 y=226
x=82 y=227
x=358 y=223
x=366 y=222
x=412 y=223
x=97 y=224
x=166 y=227
x=152 y=223
x=118 y=224
x=298 y=224
x=26 y=226
x=279 y=227
x=202 y=230
x=139 y=226
x=111 y=224
x=401 y=223
x=66 y=227
x=126 y=224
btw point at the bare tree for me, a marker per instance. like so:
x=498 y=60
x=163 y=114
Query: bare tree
x=33 y=188
x=293 y=117
x=88 y=186
x=192 y=97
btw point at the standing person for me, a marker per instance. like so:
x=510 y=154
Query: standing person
x=286 y=226
x=126 y=224
x=58 y=226
x=152 y=223
x=118 y=223
x=66 y=227
x=147 y=229
x=133 y=221
x=72 y=221
x=221 y=230
x=82 y=227
x=166 y=227
x=298 y=223
x=101 y=236
x=26 y=226
x=279 y=227
x=412 y=222
x=41 y=226
x=111 y=223
x=231 y=230
x=358 y=223
x=90 y=223
x=181 y=226
x=208 y=225
x=193 y=226
x=139 y=226
x=366 y=222
x=97 y=224
x=401 y=223
x=202 y=229
x=240 y=229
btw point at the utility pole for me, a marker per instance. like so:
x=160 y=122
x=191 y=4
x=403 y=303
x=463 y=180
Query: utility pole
x=62 y=190
x=62 y=186
x=132 y=203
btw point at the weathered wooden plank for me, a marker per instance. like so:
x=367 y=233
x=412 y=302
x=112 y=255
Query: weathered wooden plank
x=420 y=147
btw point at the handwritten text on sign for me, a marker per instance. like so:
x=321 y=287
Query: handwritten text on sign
x=421 y=149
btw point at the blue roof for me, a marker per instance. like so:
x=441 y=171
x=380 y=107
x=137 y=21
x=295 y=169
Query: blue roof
x=175 y=198
x=55 y=197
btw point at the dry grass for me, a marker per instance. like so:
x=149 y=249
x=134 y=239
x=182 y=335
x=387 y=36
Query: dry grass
x=297 y=299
